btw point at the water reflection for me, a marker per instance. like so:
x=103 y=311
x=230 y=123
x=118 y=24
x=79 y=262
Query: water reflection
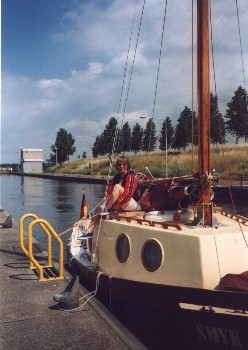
x=58 y=202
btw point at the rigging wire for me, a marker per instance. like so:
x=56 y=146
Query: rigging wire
x=219 y=122
x=115 y=141
x=158 y=70
x=192 y=83
x=240 y=43
x=126 y=64
x=123 y=87
x=134 y=57
x=117 y=133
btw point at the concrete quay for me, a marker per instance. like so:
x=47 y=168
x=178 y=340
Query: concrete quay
x=31 y=319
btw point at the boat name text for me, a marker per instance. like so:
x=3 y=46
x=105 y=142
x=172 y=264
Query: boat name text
x=219 y=335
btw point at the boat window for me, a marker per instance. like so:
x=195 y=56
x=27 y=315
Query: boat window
x=122 y=248
x=151 y=255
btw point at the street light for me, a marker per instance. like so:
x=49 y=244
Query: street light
x=166 y=142
x=166 y=150
x=56 y=155
x=18 y=164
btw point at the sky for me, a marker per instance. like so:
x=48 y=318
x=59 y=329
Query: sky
x=63 y=64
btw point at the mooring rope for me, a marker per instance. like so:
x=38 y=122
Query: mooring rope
x=82 y=220
x=88 y=296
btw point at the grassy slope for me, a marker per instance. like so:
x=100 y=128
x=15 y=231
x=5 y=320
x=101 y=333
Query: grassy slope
x=235 y=157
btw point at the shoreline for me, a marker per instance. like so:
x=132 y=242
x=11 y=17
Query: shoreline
x=67 y=177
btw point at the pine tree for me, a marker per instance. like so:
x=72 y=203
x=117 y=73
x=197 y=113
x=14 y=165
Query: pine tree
x=217 y=124
x=107 y=142
x=125 y=139
x=63 y=147
x=137 y=138
x=110 y=136
x=167 y=131
x=183 y=130
x=237 y=123
x=98 y=147
x=150 y=139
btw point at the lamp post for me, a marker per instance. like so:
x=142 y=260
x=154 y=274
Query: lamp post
x=166 y=149
x=56 y=155
x=166 y=142
x=18 y=164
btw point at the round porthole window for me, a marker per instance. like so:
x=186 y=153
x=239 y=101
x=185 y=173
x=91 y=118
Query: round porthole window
x=122 y=248
x=151 y=255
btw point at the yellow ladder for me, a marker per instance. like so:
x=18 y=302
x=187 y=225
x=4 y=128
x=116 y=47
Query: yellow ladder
x=49 y=231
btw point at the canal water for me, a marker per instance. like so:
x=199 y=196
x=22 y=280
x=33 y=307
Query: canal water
x=58 y=202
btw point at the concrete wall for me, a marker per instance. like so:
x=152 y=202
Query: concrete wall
x=32 y=167
x=32 y=160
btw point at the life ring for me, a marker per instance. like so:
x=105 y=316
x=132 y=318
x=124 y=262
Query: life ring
x=169 y=215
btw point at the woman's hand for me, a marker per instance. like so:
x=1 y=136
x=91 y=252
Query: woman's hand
x=115 y=207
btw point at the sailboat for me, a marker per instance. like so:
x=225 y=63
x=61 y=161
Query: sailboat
x=190 y=270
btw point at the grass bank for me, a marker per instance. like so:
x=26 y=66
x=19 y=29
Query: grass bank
x=179 y=163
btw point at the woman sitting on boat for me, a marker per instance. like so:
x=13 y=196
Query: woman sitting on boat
x=123 y=190
x=123 y=193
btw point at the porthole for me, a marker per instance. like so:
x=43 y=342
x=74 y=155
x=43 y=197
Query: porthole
x=122 y=248
x=151 y=255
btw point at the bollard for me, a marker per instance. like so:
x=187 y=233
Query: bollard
x=69 y=298
x=7 y=223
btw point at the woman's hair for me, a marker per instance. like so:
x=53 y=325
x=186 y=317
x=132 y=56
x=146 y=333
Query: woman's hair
x=122 y=159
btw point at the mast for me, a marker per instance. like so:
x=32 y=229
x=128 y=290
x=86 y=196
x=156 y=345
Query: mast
x=203 y=87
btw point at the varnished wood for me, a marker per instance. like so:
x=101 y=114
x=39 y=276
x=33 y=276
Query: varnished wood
x=203 y=87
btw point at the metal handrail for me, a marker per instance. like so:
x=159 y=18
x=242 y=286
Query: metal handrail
x=21 y=237
x=47 y=228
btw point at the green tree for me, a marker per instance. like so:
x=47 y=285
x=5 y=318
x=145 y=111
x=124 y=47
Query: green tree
x=217 y=124
x=149 y=139
x=98 y=147
x=107 y=142
x=137 y=138
x=52 y=159
x=125 y=139
x=167 y=131
x=237 y=116
x=110 y=137
x=84 y=155
x=63 y=147
x=183 y=130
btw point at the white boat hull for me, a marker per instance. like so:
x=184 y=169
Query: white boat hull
x=193 y=260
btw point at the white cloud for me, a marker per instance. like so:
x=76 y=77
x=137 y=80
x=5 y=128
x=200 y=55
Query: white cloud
x=33 y=111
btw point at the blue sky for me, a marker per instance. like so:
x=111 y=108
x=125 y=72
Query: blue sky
x=63 y=63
